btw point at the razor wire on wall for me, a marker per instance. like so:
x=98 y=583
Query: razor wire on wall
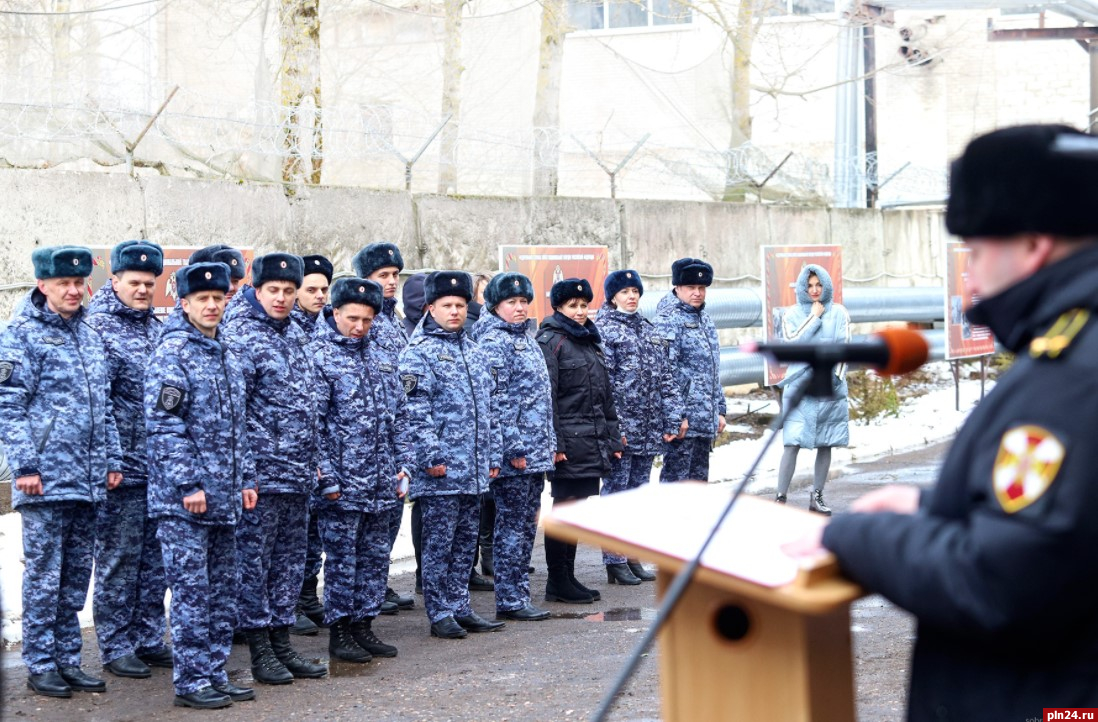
x=388 y=147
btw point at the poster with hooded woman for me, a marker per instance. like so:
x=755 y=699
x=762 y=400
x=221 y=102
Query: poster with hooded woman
x=782 y=266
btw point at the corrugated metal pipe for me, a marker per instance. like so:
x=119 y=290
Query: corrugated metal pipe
x=743 y=307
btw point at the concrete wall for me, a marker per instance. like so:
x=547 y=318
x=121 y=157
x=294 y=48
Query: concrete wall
x=43 y=208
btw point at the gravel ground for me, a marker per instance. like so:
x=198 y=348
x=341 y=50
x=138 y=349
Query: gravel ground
x=552 y=670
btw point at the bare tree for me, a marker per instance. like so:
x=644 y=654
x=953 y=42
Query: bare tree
x=547 y=98
x=740 y=23
x=299 y=71
x=452 y=70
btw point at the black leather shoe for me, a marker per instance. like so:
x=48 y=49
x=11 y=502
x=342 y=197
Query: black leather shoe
x=236 y=694
x=780 y=498
x=128 y=666
x=398 y=599
x=640 y=572
x=158 y=658
x=51 y=684
x=477 y=583
x=447 y=628
x=389 y=608
x=304 y=627
x=473 y=622
x=81 y=682
x=205 y=698
x=620 y=574
x=529 y=613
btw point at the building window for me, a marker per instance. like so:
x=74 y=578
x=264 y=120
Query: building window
x=779 y=8
x=611 y=14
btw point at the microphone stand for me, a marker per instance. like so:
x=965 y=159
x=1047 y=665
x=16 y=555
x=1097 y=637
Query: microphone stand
x=818 y=385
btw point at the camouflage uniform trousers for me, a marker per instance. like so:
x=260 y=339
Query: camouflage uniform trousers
x=128 y=600
x=450 y=527
x=356 y=565
x=314 y=547
x=686 y=459
x=628 y=472
x=58 y=545
x=271 y=542
x=200 y=566
x=518 y=500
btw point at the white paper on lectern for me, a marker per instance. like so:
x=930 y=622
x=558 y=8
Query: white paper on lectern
x=675 y=519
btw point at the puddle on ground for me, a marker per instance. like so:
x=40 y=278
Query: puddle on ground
x=623 y=614
x=336 y=668
x=241 y=677
x=339 y=668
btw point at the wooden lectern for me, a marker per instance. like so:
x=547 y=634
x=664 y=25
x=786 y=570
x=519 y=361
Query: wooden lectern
x=757 y=635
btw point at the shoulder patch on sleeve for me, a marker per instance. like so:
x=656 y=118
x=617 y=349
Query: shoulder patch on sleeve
x=170 y=399
x=7 y=368
x=1028 y=461
x=410 y=382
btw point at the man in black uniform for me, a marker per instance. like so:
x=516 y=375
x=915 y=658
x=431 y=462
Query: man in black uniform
x=998 y=561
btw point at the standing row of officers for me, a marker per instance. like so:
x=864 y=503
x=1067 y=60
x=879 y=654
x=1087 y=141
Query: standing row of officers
x=217 y=454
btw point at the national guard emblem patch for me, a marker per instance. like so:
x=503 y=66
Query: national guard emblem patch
x=1028 y=461
x=171 y=399
x=410 y=382
x=6 y=368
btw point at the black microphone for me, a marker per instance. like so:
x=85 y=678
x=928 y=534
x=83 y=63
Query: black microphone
x=895 y=351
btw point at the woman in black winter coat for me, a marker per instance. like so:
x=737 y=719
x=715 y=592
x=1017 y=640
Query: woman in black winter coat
x=584 y=419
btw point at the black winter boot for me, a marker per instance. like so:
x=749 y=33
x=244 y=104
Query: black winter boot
x=303 y=626
x=487 y=558
x=364 y=635
x=342 y=644
x=487 y=534
x=640 y=572
x=571 y=557
x=559 y=587
x=620 y=574
x=265 y=665
x=299 y=666
x=309 y=602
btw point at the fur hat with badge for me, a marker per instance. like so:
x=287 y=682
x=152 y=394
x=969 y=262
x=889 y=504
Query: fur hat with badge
x=507 y=285
x=199 y=277
x=564 y=291
x=137 y=256
x=278 y=267
x=618 y=281
x=221 y=253
x=318 y=264
x=61 y=262
x=691 y=272
x=356 y=290
x=1026 y=179
x=448 y=283
x=375 y=256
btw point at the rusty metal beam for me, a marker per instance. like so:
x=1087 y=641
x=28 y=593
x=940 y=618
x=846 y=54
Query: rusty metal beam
x=1077 y=33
